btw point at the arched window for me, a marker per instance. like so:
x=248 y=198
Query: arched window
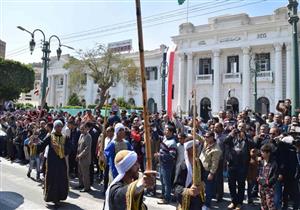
x=263 y=105
x=232 y=104
x=152 y=106
x=205 y=107
x=131 y=101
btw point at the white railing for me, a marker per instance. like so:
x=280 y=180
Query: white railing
x=232 y=78
x=265 y=76
x=204 y=78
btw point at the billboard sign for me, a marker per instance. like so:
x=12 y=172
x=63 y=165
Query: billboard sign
x=120 y=46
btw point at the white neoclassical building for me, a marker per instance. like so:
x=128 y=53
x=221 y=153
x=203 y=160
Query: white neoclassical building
x=215 y=59
x=221 y=56
x=58 y=83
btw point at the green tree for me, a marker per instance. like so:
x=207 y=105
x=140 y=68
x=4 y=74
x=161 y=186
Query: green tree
x=74 y=100
x=15 y=78
x=106 y=68
x=77 y=76
x=122 y=103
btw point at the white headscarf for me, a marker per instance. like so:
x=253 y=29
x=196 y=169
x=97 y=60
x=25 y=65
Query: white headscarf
x=57 y=122
x=189 y=176
x=118 y=127
x=122 y=167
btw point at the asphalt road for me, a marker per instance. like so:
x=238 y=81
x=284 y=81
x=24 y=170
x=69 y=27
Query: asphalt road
x=19 y=192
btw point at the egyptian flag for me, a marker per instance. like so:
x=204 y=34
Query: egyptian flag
x=170 y=80
x=36 y=91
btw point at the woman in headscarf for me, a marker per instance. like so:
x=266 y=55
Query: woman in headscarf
x=56 y=180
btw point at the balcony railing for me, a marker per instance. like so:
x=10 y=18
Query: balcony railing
x=265 y=76
x=232 y=78
x=204 y=78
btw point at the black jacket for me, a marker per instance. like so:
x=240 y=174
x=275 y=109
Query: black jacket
x=238 y=152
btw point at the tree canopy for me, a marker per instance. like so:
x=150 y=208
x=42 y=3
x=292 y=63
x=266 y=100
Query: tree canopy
x=15 y=78
x=105 y=67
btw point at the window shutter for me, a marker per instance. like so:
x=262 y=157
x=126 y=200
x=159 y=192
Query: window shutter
x=228 y=65
x=155 y=70
x=237 y=64
x=201 y=66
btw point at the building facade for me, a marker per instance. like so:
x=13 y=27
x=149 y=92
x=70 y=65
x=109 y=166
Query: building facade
x=219 y=59
x=59 y=80
x=2 y=49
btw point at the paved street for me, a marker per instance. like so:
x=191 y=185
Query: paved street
x=19 y=192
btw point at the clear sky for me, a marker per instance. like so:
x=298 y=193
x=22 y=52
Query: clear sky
x=104 y=21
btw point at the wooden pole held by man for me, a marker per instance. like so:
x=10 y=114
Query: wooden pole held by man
x=144 y=87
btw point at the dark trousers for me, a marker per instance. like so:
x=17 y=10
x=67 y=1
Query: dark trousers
x=209 y=189
x=73 y=165
x=236 y=183
x=106 y=178
x=219 y=186
x=3 y=147
x=291 y=190
x=10 y=149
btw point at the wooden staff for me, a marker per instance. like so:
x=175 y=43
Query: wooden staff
x=102 y=163
x=195 y=181
x=144 y=87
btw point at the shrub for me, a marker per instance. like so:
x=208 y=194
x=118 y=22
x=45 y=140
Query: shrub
x=74 y=100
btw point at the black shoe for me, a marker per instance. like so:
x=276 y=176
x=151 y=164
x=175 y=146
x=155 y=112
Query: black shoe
x=85 y=190
x=79 y=187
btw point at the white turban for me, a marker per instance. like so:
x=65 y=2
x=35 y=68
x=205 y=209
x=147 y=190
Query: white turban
x=122 y=167
x=118 y=127
x=57 y=122
x=188 y=145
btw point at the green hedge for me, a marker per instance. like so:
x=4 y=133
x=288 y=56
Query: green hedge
x=72 y=107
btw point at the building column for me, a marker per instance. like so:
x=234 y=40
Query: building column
x=190 y=81
x=89 y=90
x=216 y=82
x=246 y=94
x=181 y=71
x=288 y=70
x=53 y=92
x=278 y=72
x=65 y=90
x=50 y=90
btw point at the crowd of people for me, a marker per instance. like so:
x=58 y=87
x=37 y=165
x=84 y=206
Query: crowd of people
x=261 y=152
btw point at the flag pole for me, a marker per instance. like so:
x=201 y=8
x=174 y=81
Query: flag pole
x=144 y=87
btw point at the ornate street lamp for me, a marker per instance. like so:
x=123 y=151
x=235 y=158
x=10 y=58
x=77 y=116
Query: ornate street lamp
x=254 y=71
x=163 y=74
x=45 y=58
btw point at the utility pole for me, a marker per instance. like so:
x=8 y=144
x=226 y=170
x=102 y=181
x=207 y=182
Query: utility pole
x=293 y=20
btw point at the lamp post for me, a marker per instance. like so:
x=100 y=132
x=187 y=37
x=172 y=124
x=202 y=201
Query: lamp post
x=254 y=70
x=293 y=20
x=46 y=53
x=164 y=74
